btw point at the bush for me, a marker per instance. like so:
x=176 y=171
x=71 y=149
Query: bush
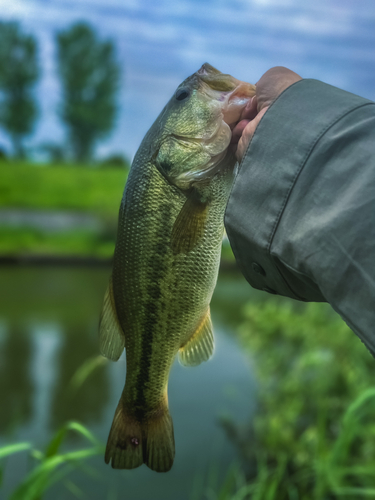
x=313 y=436
x=115 y=160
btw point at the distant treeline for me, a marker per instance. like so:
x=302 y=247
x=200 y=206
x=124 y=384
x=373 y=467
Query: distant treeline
x=89 y=75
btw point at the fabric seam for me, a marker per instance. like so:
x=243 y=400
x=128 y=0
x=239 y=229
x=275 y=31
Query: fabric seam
x=294 y=271
x=299 y=170
x=232 y=244
x=269 y=107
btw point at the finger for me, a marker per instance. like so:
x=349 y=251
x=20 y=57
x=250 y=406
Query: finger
x=250 y=110
x=247 y=135
x=237 y=131
x=248 y=113
x=273 y=83
x=245 y=139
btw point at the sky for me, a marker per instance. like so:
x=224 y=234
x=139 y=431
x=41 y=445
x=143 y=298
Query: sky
x=161 y=42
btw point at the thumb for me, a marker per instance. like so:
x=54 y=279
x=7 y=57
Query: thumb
x=248 y=133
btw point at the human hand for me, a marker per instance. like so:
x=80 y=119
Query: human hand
x=269 y=87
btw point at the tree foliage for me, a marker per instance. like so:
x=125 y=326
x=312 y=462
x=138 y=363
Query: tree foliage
x=18 y=73
x=89 y=75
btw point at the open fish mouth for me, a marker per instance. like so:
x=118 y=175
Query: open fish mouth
x=230 y=96
x=216 y=79
x=233 y=94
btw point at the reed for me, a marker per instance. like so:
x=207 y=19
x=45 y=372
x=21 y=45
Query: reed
x=51 y=465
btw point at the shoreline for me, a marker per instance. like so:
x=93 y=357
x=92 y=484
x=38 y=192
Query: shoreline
x=79 y=261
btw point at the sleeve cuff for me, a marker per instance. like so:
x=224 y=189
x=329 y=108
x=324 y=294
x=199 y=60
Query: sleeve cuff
x=279 y=150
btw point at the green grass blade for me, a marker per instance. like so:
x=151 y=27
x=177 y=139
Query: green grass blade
x=85 y=370
x=77 y=427
x=59 y=436
x=13 y=448
x=55 y=443
x=355 y=492
x=359 y=404
x=54 y=466
x=40 y=479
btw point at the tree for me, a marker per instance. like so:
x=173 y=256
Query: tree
x=18 y=73
x=90 y=76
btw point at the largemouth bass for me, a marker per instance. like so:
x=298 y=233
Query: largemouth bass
x=166 y=260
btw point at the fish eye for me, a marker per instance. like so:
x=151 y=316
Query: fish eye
x=182 y=94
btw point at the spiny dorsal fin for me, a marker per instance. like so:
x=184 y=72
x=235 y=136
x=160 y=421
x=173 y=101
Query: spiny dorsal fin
x=111 y=336
x=200 y=346
x=189 y=225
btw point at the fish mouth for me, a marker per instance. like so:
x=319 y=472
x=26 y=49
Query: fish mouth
x=216 y=79
x=231 y=96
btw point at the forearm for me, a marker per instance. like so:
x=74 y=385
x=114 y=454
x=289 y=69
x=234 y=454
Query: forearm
x=301 y=215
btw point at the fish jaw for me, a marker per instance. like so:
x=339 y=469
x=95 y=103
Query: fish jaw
x=236 y=102
x=216 y=79
x=230 y=96
x=195 y=128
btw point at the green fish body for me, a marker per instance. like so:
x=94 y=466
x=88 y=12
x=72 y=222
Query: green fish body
x=166 y=261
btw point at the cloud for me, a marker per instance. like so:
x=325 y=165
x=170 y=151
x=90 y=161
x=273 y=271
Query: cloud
x=160 y=43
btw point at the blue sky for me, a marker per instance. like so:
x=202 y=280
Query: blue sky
x=161 y=42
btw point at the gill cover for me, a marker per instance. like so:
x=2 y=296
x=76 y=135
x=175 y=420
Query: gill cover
x=184 y=161
x=189 y=153
x=195 y=130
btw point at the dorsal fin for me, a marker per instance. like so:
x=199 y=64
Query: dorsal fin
x=200 y=346
x=111 y=335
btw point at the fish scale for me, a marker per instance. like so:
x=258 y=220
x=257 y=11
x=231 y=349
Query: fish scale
x=166 y=263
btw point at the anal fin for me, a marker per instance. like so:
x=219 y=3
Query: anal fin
x=111 y=335
x=200 y=346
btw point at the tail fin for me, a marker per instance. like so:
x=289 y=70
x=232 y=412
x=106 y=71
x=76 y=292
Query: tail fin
x=132 y=443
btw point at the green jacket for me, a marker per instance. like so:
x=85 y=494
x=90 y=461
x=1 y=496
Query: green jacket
x=301 y=215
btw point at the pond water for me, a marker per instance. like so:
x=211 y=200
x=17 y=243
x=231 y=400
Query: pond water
x=48 y=329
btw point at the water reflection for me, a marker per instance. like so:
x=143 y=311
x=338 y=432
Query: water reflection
x=46 y=340
x=16 y=388
x=86 y=403
x=49 y=329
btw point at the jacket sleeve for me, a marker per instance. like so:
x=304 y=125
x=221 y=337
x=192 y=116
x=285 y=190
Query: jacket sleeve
x=301 y=214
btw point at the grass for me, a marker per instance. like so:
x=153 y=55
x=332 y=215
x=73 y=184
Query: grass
x=35 y=242
x=71 y=188
x=62 y=187
x=52 y=465
x=313 y=437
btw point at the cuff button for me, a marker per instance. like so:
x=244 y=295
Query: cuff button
x=258 y=269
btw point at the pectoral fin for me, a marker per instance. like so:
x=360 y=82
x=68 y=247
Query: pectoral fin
x=189 y=226
x=200 y=346
x=111 y=336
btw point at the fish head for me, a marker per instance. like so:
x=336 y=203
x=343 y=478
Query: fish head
x=195 y=128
